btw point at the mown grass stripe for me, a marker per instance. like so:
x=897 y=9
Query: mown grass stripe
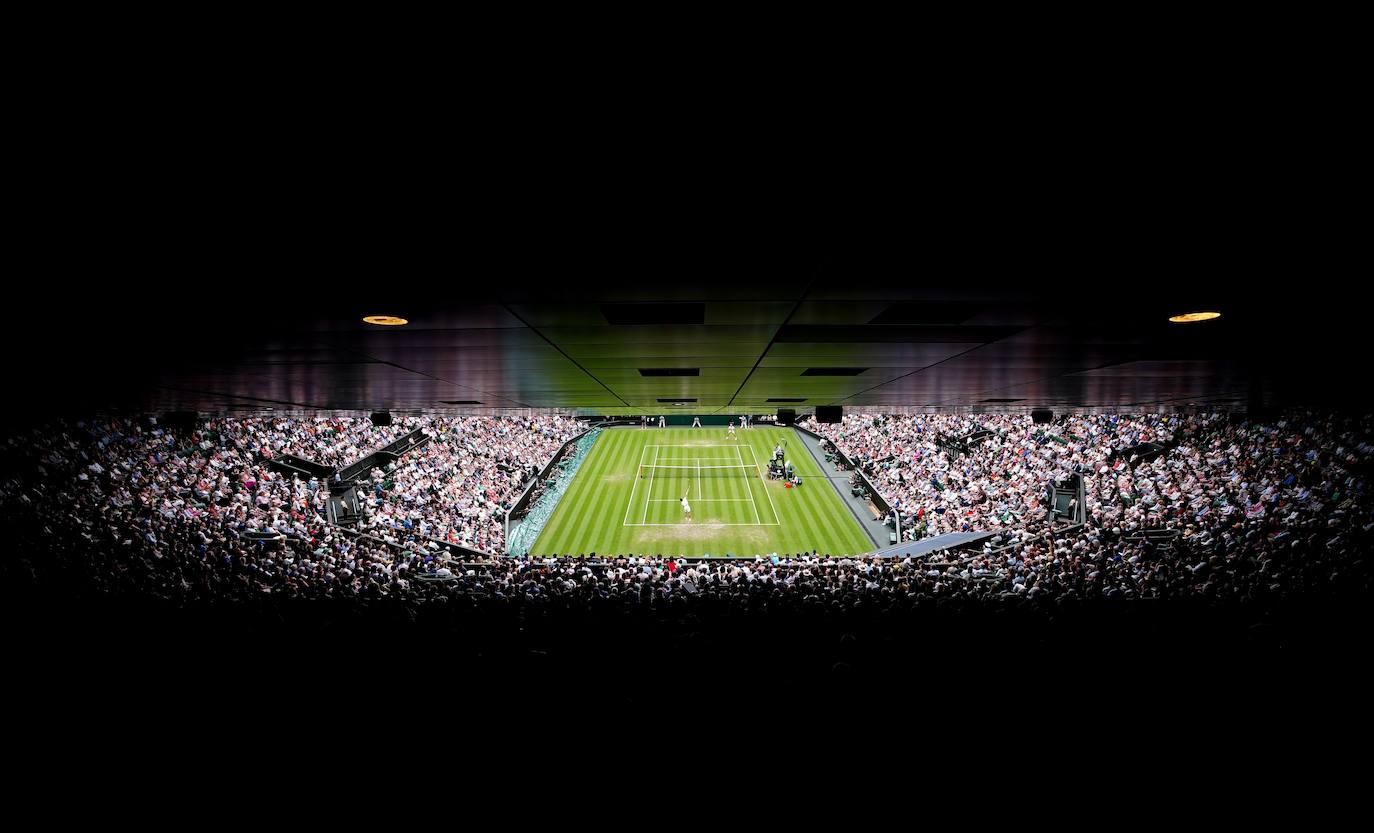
x=591 y=516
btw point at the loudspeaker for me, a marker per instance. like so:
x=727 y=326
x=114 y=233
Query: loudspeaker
x=381 y=419
x=829 y=414
x=1042 y=416
x=786 y=416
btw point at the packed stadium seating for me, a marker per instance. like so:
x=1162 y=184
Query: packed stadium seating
x=1246 y=511
x=190 y=546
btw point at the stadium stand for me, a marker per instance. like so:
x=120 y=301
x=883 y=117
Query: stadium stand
x=1229 y=510
x=1242 y=534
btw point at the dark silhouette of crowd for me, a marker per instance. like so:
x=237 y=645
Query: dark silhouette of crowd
x=1254 y=519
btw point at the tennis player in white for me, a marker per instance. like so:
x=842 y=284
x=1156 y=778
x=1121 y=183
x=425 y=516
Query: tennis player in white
x=730 y=432
x=686 y=509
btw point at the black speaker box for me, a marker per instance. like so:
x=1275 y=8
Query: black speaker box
x=1042 y=416
x=786 y=416
x=829 y=414
x=381 y=419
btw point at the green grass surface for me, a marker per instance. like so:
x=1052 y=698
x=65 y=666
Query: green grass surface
x=609 y=509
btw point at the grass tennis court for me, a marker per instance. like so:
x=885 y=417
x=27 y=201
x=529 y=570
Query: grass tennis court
x=626 y=498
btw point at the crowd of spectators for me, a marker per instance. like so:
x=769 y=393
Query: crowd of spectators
x=991 y=472
x=458 y=486
x=206 y=503
x=1256 y=511
x=329 y=441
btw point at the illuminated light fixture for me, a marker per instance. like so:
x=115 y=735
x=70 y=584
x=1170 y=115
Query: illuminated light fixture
x=1190 y=317
x=385 y=320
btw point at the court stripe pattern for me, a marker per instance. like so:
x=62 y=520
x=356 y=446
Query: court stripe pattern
x=677 y=471
x=592 y=516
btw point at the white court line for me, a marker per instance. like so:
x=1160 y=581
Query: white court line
x=653 y=468
x=684 y=523
x=702 y=499
x=698 y=479
x=757 y=519
x=693 y=462
x=648 y=493
x=776 y=517
x=631 y=504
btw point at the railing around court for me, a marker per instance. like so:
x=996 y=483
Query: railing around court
x=539 y=509
x=521 y=505
x=874 y=496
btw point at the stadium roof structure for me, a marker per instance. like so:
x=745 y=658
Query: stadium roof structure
x=688 y=339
